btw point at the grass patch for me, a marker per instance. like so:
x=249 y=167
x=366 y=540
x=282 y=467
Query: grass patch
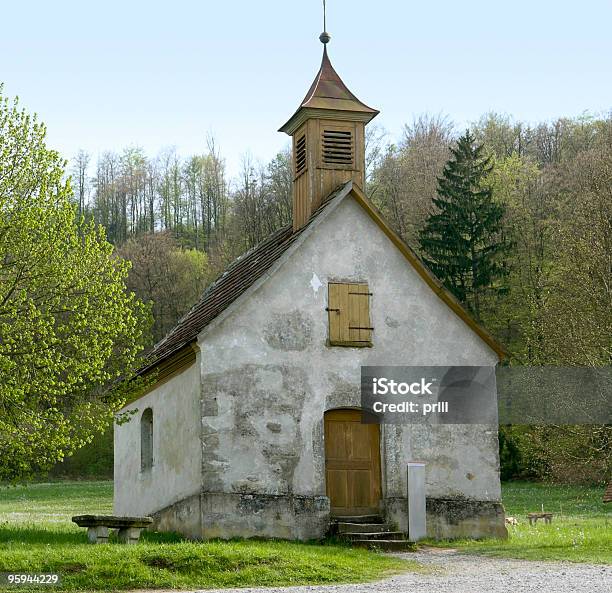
x=36 y=535
x=581 y=530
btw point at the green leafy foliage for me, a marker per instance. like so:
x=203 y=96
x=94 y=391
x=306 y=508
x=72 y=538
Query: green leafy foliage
x=165 y=276
x=69 y=329
x=36 y=535
x=94 y=461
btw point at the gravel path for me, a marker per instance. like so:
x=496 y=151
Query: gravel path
x=452 y=572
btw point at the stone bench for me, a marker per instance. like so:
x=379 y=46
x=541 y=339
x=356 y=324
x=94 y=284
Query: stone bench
x=533 y=517
x=128 y=528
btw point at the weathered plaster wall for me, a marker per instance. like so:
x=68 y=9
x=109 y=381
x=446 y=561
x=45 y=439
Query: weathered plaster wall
x=176 y=471
x=268 y=377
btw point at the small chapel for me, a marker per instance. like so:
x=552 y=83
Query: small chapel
x=252 y=424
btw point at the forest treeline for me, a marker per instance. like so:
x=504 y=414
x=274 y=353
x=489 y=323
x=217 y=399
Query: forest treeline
x=554 y=179
x=181 y=220
x=132 y=194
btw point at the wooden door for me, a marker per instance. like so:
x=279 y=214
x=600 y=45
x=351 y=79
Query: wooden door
x=352 y=463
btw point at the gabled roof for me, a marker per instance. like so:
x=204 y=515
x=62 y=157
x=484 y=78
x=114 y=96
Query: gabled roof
x=223 y=291
x=328 y=93
x=254 y=264
x=426 y=275
x=235 y=280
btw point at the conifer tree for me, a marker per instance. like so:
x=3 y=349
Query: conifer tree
x=462 y=241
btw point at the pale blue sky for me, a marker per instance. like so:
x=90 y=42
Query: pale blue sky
x=104 y=75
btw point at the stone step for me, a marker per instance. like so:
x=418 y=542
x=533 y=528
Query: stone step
x=359 y=536
x=342 y=527
x=389 y=545
x=358 y=519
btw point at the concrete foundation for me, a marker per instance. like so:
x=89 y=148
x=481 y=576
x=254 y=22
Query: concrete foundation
x=453 y=519
x=256 y=515
x=184 y=517
x=213 y=515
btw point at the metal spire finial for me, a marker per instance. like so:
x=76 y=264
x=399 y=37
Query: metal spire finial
x=325 y=36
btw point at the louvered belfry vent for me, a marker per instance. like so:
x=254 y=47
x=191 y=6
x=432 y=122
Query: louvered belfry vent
x=300 y=155
x=327 y=141
x=337 y=148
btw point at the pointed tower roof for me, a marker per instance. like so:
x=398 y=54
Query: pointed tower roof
x=329 y=92
x=329 y=97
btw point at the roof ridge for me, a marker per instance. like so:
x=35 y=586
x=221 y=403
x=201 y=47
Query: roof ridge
x=210 y=288
x=244 y=271
x=239 y=275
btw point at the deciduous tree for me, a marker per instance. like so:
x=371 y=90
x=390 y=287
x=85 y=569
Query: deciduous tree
x=68 y=326
x=171 y=279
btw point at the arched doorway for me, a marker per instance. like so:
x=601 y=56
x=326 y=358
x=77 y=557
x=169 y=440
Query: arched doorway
x=352 y=463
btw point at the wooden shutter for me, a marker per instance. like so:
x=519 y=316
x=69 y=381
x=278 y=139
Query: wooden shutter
x=349 y=314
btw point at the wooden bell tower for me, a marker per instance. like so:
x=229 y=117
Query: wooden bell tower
x=328 y=132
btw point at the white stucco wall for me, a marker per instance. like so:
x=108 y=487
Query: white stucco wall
x=175 y=474
x=268 y=375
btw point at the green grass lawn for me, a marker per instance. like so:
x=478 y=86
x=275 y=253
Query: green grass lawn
x=581 y=530
x=36 y=535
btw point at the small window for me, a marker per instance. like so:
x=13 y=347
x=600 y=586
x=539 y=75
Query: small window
x=337 y=148
x=146 y=440
x=349 y=314
x=300 y=155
